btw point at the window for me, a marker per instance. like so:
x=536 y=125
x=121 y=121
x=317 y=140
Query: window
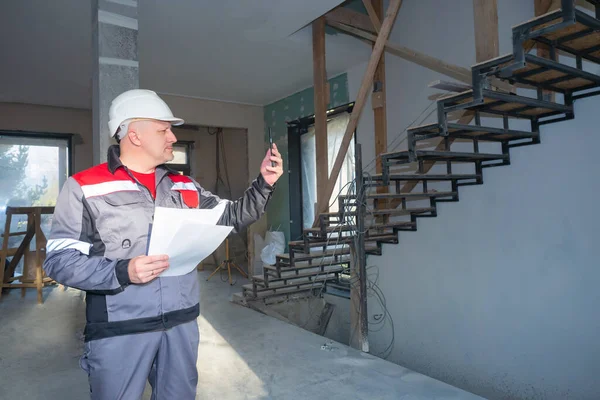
x=336 y=127
x=181 y=162
x=302 y=165
x=33 y=169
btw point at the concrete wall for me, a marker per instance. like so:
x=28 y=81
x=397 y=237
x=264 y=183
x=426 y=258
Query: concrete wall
x=229 y=115
x=498 y=294
x=36 y=118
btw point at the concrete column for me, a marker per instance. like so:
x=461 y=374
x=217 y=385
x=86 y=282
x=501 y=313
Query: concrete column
x=116 y=66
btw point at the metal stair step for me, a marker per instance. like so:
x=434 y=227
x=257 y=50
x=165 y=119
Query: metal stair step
x=394 y=211
x=301 y=265
x=432 y=155
x=312 y=262
x=462 y=131
x=412 y=196
x=330 y=229
x=317 y=281
x=318 y=232
x=504 y=104
x=300 y=244
x=314 y=255
x=400 y=211
x=293 y=275
x=265 y=294
x=579 y=38
x=551 y=75
x=426 y=177
x=338 y=213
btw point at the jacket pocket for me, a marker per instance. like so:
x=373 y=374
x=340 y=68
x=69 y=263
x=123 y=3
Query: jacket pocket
x=123 y=223
x=120 y=199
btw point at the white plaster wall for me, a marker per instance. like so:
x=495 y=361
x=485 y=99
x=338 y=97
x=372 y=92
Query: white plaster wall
x=498 y=294
x=37 y=118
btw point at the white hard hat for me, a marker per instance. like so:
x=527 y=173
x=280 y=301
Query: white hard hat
x=137 y=103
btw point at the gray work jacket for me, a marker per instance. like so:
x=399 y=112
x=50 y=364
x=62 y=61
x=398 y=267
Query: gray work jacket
x=103 y=218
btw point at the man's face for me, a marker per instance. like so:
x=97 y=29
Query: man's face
x=156 y=139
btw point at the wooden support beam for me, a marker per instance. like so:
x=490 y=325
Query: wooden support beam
x=378 y=100
x=542 y=7
x=449 y=86
x=459 y=73
x=485 y=14
x=357 y=337
x=373 y=14
x=453 y=71
x=359 y=321
x=386 y=28
x=320 y=101
x=350 y=17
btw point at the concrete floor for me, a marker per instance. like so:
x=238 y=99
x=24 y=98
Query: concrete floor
x=243 y=355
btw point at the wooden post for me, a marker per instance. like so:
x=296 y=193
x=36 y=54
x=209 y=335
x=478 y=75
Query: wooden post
x=354 y=300
x=378 y=102
x=542 y=7
x=359 y=318
x=386 y=28
x=485 y=14
x=31 y=278
x=320 y=84
x=375 y=12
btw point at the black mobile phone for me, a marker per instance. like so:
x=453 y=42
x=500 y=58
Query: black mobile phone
x=271 y=146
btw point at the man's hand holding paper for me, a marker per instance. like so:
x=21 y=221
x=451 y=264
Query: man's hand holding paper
x=187 y=236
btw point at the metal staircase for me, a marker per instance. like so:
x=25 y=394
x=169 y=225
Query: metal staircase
x=322 y=257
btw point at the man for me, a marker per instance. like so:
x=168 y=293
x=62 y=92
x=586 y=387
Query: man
x=139 y=326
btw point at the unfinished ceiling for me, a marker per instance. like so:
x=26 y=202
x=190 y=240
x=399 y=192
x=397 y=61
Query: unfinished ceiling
x=248 y=52
x=46 y=52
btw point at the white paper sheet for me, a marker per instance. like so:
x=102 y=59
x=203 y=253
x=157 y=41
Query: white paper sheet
x=186 y=236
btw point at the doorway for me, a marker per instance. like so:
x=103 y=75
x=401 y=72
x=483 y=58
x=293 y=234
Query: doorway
x=218 y=161
x=302 y=159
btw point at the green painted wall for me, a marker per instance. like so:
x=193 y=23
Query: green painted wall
x=277 y=114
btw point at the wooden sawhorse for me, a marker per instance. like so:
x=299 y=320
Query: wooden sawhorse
x=33 y=274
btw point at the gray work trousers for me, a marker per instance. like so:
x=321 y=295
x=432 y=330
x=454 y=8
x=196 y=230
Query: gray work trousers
x=118 y=367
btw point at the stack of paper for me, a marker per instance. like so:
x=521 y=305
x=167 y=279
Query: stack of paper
x=186 y=236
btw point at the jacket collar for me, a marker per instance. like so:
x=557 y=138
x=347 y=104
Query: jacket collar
x=114 y=162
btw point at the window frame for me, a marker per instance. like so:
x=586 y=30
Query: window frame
x=185 y=169
x=46 y=135
x=295 y=129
